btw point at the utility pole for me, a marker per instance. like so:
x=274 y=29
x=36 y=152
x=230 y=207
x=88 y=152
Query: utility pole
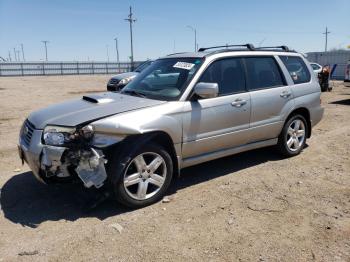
x=195 y=37
x=15 y=53
x=131 y=20
x=45 y=44
x=23 y=53
x=19 y=59
x=326 y=35
x=116 y=48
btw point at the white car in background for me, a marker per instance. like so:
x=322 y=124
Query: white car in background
x=347 y=72
x=317 y=68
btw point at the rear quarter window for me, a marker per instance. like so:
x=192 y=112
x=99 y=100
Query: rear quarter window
x=297 y=69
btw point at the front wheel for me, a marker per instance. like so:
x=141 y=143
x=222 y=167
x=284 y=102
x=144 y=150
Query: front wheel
x=293 y=136
x=142 y=176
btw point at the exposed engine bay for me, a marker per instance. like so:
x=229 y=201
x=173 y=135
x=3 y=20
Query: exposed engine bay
x=89 y=164
x=69 y=152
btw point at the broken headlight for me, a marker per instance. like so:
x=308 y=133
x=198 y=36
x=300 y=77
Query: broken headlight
x=61 y=136
x=58 y=136
x=87 y=132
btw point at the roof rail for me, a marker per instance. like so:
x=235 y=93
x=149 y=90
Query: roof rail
x=283 y=47
x=176 y=53
x=248 y=46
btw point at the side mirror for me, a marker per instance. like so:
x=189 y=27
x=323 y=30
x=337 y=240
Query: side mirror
x=206 y=90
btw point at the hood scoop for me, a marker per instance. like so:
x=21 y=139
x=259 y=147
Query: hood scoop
x=97 y=99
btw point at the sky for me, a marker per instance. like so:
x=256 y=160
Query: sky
x=81 y=30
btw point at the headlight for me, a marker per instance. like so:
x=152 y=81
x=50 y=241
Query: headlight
x=61 y=136
x=58 y=136
x=87 y=132
x=125 y=81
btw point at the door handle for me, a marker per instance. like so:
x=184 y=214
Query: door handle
x=239 y=102
x=285 y=94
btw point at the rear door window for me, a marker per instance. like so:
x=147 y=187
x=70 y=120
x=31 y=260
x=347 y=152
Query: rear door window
x=263 y=72
x=297 y=69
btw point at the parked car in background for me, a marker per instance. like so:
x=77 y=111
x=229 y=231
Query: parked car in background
x=317 y=68
x=182 y=110
x=347 y=72
x=117 y=82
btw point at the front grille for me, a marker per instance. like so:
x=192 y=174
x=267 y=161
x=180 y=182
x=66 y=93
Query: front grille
x=27 y=131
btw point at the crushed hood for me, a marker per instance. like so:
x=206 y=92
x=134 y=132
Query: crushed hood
x=89 y=108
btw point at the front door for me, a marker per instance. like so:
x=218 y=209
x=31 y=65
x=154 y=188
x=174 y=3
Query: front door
x=218 y=123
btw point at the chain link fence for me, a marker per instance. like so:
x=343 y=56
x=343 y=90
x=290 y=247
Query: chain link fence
x=63 y=68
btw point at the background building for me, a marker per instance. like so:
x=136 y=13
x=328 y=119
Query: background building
x=337 y=58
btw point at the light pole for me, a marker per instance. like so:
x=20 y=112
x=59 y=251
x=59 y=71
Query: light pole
x=23 y=53
x=131 y=20
x=19 y=59
x=107 y=54
x=116 y=48
x=45 y=44
x=195 y=37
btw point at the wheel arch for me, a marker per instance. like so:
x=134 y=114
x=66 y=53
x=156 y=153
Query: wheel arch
x=306 y=114
x=132 y=142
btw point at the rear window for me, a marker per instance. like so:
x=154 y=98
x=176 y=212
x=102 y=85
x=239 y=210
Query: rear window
x=297 y=69
x=263 y=72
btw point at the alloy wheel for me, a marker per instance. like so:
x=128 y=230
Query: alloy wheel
x=145 y=175
x=295 y=135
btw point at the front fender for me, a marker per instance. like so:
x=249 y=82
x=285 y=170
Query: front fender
x=165 y=118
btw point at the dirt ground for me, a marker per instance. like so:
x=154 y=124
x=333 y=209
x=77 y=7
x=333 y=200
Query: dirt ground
x=254 y=206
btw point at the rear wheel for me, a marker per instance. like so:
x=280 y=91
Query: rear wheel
x=293 y=136
x=142 y=176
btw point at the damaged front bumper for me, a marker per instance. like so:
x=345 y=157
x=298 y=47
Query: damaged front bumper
x=48 y=162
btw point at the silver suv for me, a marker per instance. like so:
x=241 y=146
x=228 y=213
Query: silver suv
x=184 y=109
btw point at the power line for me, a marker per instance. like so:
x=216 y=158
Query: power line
x=45 y=44
x=326 y=36
x=131 y=20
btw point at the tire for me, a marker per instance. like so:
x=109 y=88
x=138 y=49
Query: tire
x=287 y=143
x=129 y=175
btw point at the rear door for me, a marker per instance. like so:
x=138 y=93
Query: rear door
x=271 y=97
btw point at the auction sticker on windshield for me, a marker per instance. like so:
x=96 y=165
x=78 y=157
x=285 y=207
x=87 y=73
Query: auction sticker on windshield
x=184 y=65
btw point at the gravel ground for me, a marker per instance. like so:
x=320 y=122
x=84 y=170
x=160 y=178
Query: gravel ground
x=254 y=206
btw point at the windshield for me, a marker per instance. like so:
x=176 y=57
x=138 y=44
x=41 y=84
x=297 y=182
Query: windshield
x=140 y=68
x=164 y=79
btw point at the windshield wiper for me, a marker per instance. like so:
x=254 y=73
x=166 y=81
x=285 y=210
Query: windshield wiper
x=134 y=93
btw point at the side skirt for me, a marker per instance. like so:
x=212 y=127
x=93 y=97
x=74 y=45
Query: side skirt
x=226 y=152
